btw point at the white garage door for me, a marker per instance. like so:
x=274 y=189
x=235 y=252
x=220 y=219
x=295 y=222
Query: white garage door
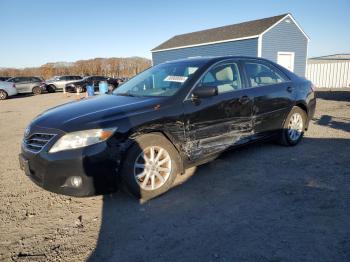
x=286 y=59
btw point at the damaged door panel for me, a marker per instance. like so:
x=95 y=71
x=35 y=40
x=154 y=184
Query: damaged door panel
x=218 y=122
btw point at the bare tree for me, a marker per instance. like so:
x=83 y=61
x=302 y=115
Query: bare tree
x=112 y=67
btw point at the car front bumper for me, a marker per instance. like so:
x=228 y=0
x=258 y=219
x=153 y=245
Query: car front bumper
x=53 y=171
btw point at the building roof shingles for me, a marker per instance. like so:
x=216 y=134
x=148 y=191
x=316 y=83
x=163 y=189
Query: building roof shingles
x=241 y=30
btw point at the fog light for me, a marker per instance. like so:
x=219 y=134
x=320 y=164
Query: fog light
x=75 y=181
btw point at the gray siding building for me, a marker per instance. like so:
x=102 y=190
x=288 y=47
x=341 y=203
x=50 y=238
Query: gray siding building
x=332 y=71
x=277 y=38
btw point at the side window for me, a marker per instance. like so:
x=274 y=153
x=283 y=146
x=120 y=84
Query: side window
x=225 y=77
x=22 y=79
x=261 y=75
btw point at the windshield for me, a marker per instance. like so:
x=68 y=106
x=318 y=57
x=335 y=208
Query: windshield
x=162 y=80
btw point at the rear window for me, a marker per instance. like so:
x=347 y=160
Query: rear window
x=35 y=79
x=260 y=74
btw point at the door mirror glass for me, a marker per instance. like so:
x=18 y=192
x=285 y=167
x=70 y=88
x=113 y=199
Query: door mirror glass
x=205 y=91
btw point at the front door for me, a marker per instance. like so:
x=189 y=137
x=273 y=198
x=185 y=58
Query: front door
x=215 y=123
x=286 y=59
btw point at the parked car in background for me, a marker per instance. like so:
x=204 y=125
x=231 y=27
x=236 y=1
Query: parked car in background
x=28 y=84
x=123 y=79
x=93 y=80
x=4 y=78
x=59 y=82
x=166 y=119
x=7 y=89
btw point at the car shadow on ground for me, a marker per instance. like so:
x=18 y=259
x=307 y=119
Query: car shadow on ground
x=340 y=123
x=26 y=95
x=262 y=202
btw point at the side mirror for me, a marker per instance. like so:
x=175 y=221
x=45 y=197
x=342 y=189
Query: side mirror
x=205 y=91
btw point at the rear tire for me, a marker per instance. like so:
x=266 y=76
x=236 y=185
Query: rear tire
x=293 y=128
x=148 y=174
x=37 y=90
x=3 y=95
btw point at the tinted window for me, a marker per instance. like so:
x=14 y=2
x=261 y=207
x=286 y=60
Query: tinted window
x=35 y=79
x=261 y=74
x=100 y=78
x=225 y=77
x=22 y=79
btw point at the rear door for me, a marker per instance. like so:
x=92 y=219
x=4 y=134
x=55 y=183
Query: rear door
x=218 y=122
x=273 y=96
x=35 y=81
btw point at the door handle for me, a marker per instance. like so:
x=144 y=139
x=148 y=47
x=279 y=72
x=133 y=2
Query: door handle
x=290 y=89
x=244 y=100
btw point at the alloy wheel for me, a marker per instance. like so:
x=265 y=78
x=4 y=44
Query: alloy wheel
x=3 y=95
x=36 y=90
x=152 y=168
x=295 y=126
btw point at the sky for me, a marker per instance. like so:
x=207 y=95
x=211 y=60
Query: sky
x=34 y=32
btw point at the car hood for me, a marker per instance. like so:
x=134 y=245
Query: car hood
x=95 y=112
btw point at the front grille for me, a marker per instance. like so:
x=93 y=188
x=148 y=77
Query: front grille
x=36 y=142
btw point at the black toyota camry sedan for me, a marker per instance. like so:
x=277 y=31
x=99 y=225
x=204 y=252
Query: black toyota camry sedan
x=168 y=118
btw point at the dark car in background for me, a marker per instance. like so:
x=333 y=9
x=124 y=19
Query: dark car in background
x=28 y=84
x=168 y=118
x=4 y=78
x=57 y=83
x=80 y=85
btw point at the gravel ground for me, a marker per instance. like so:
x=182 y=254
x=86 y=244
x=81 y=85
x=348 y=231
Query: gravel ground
x=262 y=202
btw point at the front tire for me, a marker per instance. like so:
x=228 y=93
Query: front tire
x=3 y=95
x=294 y=127
x=150 y=167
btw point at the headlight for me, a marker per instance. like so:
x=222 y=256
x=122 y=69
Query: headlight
x=80 y=139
